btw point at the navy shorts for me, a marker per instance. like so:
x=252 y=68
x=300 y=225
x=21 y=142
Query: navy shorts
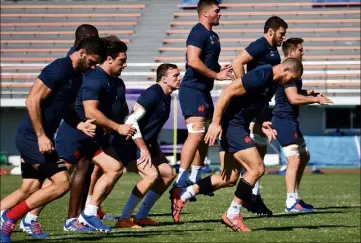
x=72 y=144
x=195 y=102
x=128 y=151
x=235 y=138
x=27 y=144
x=288 y=131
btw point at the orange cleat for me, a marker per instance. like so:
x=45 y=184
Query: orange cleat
x=235 y=223
x=145 y=222
x=127 y=223
x=176 y=203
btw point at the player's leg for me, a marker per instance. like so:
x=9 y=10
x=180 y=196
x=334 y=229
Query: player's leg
x=112 y=168
x=198 y=163
x=165 y=178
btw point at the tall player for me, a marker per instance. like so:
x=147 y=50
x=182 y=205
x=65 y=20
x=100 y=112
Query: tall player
x=237 y=105
x=50 y=97
x=142 y=154
x=262 y=51
x=203 y=49
x=289 y=98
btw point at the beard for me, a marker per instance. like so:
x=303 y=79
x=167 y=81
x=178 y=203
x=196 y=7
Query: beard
x=81 y=66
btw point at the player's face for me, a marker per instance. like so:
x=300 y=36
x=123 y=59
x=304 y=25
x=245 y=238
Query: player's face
x=173 y=78
x=298 y=52
x=87 y=62
x=278 y=36
x=213 y=15
x=118 y=64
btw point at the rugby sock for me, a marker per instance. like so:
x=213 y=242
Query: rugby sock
x=187 y=194
x=244 y=190
x=255 y=190
x=30 y=217
x=17 y=212
x=291 y=199
x=234 y=209
x=150 y=199
x=182 y=178
x=89 y=197
x=90 y=210
x=297 y=196
x=196 y=173
x=129 y=207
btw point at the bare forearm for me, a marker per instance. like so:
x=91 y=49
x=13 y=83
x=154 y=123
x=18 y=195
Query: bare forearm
x=101 y=119
x=238 y=69
x=200 y=67
x=140 y=143
x=302 y=100
x=34 y=111
x=221 y=105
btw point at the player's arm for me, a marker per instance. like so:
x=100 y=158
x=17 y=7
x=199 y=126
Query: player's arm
x=72 y=118
x=238 y=63
x=194 y=61
x=299 y=99
x=137 y=114
x=234 y=89
x=38 y=93
x=93 y=113
x=266 y=125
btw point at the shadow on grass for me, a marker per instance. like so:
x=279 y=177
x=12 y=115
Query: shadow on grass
x=288 y=228
x=338 y=207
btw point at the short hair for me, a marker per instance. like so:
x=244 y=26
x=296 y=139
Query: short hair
x=294 y=64
x=114 y=46
x=93 y=46
x=274 y=23
x=202 y=4
x=84 y=31
x=162 y=70
x=291 y=44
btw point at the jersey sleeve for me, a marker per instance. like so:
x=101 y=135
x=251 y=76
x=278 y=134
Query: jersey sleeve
x=52 y=75
x=197 y=38
x=148 y=99
x=91 y=89
x=255 y=49
x=291 y=84
x=251 y=81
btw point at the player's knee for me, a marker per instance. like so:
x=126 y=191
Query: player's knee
x=260 y=170
x=61 y=186
x=152 y=175
x=27 y=190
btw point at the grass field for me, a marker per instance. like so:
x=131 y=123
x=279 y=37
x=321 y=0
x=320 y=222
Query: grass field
x=335 y=219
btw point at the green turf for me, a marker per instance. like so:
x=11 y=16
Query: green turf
x=336 y=219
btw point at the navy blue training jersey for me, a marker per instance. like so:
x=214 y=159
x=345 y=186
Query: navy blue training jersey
x=120 y=107
x=61 y=78
x=243 y=109
x=71 y=50
x=208 y=41
x=157 y=106
x=99 y=86
x=283 y=108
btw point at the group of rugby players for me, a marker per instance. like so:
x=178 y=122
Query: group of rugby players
x=78 y=118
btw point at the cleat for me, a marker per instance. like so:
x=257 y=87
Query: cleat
x=297 y=208
x=305 y=205
x=2 y=217
x=176 y=203
x=93 y=222
x=75 y=226
x=127 y=223
x=33 y=229
x=235 y=223
x=145 y=222
x=257 y=206
x=100 y=213
x=7 y=228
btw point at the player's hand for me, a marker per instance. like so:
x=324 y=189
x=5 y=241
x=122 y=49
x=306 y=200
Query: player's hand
x=126 y=130
x=45 y=144
x=225 y=74
x=226 y=67
x=214 y=132
x=145 y=158
x=322 y=100
x=269 y=131
x=88 y=127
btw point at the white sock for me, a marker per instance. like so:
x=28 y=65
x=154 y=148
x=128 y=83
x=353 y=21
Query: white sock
x=297 y=196
x=68 y=221
x=132 y=202
x=1 y=212
x=150 y=199
x=30 y=217
x=255 y=190
x=234 y=209
x=196 y=173
x=187 y=194
x=182 y=178
x=90 y=210
x=291 y=199
x=89 y=197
